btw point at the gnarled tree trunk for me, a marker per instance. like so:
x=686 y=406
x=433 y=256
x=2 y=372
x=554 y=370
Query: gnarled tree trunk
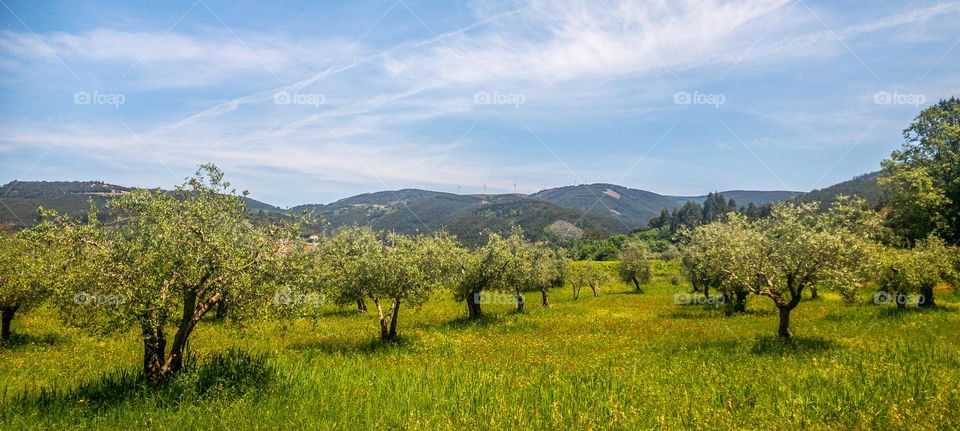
x=900 y=298
x=154 y=355
x=596 y=291
x=926 y=297
x=636 y=284
x=361 y=306
x=8 y=313
x=519 y=303
x=740 y=302
x=394 y=317
x=473 y=304
x=813 y=292
x=384 y=330
x=545 y=296
x=783 y=331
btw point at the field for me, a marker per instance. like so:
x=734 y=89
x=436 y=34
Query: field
x=623 y=360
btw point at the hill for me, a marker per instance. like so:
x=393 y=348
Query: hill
x=466 y=216
x=19 y=200
x=592 y=209
x=404 y=211
x=534 y=215
x=635 y=207
x=864 y=186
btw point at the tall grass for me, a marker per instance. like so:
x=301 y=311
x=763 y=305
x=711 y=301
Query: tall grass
x=623 y=360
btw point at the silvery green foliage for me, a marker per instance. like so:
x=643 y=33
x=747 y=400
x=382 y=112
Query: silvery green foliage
x=795 y=249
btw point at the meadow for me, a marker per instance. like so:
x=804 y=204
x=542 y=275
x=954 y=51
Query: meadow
x=623 y=360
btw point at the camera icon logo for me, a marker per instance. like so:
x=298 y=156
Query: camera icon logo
x=82 y=98
x=682 y=98
x=482 y=98
x=282 y=98
x=882 y=98
x=881 y=298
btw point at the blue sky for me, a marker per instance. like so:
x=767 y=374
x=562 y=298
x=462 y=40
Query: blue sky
x=304 y=102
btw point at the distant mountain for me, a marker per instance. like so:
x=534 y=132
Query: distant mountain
x=404 y=211
x=594 y=209
x=468 y=217
x=534 y=215
x=864 y=186
x=19 y=200
x=631 y=206
x=636 y=207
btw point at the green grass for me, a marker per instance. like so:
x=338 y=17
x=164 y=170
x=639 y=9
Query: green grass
x=624 y=360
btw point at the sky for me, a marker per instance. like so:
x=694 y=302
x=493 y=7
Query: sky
x=313 y=101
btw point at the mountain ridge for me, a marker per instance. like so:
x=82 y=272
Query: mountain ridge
x=601 y=208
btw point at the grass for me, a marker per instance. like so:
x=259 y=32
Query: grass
x=623 y=360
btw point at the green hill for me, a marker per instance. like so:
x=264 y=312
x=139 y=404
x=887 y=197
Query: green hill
x=19 y=200
x=635 y=207
x=864 y=186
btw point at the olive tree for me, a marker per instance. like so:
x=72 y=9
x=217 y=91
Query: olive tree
x=710 y=251
x=349 y=260
x=634 y=264
x=917 y=271
x=781 y=256
x=498 y=265
x=169 y=259
x=23 y=285
x=586 y=274
x=410 y=269
x=547 y=269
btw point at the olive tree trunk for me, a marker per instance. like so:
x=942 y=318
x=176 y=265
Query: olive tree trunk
x=519 y=302
x=8 y=313
x=636 y=284
x=158 y=365
x=361 y=306
x=740 y=302
x=473 y=304
x=154 y=355
x=783 y=331
x=545 y=297
x=900 y=298
x=394 y=317
x=926 y=297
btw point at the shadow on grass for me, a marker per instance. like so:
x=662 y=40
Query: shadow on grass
x=219 y=375
x=350 y=347
x=465 y=322
x=19 y=340
x=774 y=346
